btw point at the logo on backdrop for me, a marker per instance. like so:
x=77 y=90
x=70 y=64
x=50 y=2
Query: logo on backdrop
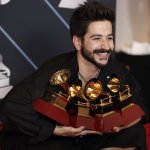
x=70 y=3
x=3 y=2
x=5 y=86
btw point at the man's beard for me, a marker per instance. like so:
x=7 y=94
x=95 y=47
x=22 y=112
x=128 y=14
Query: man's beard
x=90 y=55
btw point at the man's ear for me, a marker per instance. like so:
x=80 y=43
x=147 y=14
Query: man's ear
x=77 y=42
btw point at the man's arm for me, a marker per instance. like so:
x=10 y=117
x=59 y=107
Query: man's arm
x=17 y=108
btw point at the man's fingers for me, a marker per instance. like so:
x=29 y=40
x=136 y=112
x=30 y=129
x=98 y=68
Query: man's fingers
x=77 y=131
x=68 y=131
x=116 y=129
x=73 y=132
x=85 y=132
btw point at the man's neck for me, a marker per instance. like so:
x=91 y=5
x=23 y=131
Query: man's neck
x=87 y=70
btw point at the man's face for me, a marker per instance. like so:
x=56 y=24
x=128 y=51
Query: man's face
x=97 y=43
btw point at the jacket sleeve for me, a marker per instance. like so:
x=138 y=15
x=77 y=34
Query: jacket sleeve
x=137 y=98
x=17 y=108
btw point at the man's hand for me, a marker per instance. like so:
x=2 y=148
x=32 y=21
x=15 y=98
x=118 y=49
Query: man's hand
x=68 y=131
x=117 y=129
x=114 y=130
x=72 y=132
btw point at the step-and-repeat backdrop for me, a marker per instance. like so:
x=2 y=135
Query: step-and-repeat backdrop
x=31 y=32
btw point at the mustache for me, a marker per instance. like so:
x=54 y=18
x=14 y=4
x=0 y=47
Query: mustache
x=96 y=51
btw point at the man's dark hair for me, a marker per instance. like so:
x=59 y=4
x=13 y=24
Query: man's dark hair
x=87 y=13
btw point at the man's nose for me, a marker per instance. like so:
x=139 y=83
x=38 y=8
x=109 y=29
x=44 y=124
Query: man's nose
x=105 y=44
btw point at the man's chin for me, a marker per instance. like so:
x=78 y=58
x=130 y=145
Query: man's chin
x=102 y=64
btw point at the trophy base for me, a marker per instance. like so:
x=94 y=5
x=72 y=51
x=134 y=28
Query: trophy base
x=51 y=111
x=131 y=113
x=107 y=121
x=78 y=121
x=100 y=122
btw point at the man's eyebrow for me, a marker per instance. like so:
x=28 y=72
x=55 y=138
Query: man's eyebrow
x=95 y=35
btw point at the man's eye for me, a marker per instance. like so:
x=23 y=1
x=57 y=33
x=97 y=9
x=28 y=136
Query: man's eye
x=110 y=38
x=96 y=39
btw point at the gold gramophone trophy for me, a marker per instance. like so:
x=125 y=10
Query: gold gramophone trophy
x=116 y=108
x=97 y=107
x=82 y=116
x=53 y=105
x=105 y=109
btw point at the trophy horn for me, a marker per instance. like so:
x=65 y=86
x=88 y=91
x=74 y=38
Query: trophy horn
x=93 y=89
x=113 y=84
x=76 y=90
x=60 y=78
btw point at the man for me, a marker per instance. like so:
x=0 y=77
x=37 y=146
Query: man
x=92 y=35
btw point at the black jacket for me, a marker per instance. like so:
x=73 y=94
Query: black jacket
x=16 y=108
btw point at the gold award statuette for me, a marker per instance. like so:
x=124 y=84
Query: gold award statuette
x=97 y=107
x=120 y=111
x=82 y=116
x=53 y=105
